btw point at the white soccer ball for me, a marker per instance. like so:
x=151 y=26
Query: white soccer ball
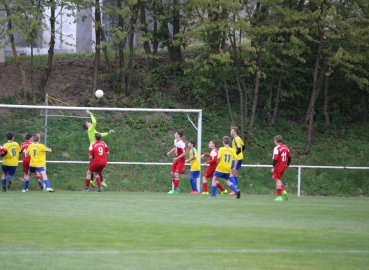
x=99 y=93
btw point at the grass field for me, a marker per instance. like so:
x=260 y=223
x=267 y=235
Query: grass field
x=116 y=230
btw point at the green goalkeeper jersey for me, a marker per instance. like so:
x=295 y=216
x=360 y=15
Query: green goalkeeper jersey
x=92 y=130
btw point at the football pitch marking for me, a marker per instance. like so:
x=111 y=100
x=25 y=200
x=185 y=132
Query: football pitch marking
x=174 y=251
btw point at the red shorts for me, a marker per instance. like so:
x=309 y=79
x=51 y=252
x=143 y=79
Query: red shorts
x=25 y=166
x=178 y=166
x=96 y=167
x=209 y=173
x=277 y=175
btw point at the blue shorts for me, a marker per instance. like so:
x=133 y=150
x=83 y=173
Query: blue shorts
x=239 y=163
x=39 y=169
x=10 y=170
x=222 y=175
x=195 y=174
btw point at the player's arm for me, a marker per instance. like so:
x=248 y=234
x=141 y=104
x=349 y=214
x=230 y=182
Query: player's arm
x=193 y=157
x=205 y=155
x=238 y=145
x=171 y=151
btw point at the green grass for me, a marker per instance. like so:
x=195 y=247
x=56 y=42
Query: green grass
x=115 y=230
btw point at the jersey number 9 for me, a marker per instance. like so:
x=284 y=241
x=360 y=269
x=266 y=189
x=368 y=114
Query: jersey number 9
x=101 y=151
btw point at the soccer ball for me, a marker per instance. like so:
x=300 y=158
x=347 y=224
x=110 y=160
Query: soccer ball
x=99 y=93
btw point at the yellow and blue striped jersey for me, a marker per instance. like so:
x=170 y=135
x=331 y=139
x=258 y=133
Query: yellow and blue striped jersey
x=12 y=156
x=225 y=156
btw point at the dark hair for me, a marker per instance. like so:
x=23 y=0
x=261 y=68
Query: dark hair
x=28 y=136
x=236 y=129
x=10 y=135
x=278 y=138
x=226 y=140
x=179 y=132
x=85 y=125
x=36 y=138
x=193 y=143
x=214 y=142
x=97 y=136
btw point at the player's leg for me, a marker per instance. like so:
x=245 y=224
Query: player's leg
x=25 y=176
x=214 y=185
x=231 y=185
x=9 y=175
x=205 y=185
x=233 y=180
x=278 y=185
x=88 y=180
x=3 y=177
x=172 y=175
x=92 y=182
x=97 y=174
x=102 y=180
x=193 y=176
x=38 y=178
x=42 y=171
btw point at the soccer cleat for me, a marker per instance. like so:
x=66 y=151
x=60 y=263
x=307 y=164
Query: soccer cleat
x=4 y=189
x=86 y=190
x=279 y=198
x=238 y=194
x=212 y=197
x=93 y=183
x=232 y=193
x=99 y=189
x=40 y=184
x=284 y=195
x=224 y=192
x=9 y=184
x=194 y=192
x=173 y=191
x=205 y=193
x=24 y=190
x=50 y=190
x=103 y=184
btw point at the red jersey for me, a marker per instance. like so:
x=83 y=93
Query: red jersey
x=213 y=161
x=24 y=147
x=180 y=148
x=98 y=151
x=281 y=154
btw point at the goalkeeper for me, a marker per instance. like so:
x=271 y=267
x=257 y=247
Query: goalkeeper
x=91 y=130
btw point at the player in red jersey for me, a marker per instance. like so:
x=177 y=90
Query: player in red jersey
x=178 y=161
x=97 y=155
x=281 y=161
x=26 y=160
x=212 y=163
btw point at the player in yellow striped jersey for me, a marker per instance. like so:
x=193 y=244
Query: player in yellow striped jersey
x=10 y=160
x=37 y=152
x=238 y=145
x=195 y=166
x=227 y=163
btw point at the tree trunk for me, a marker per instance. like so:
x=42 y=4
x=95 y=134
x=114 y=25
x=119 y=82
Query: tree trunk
x=47 y=70
x=277 y=98
x=97 y=46
x=15 y=54
x=174 y=49
x=146 y=43
x=271 y=97
x=326 y=101
x=133 y=22
x=227 y=96
x=121 y=46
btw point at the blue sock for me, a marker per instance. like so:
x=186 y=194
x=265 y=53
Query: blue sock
x=47 y=183
x=213 y=191
x=234 y=188
x=193 y=184
x=3 y=181
x=26 y=183
x=9 y=178
x=233 y=180
x=236 y=178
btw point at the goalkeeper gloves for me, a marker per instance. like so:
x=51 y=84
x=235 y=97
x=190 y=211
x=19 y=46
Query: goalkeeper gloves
x=111 y=131
x=88 y=112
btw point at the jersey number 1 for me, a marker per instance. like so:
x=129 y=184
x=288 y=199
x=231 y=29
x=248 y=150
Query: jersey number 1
x=284 y=154
x=227 y=158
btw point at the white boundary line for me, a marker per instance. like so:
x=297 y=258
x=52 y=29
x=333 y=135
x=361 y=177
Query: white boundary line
x=174 y=251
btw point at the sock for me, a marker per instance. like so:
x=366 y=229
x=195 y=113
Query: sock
x=26 y=183
x=205 y=186
x=176 y=183
x=38 y=176
x=213 y=191
x=193 y=184
x=236 y=180
x=234 y=188
x=220 y=186
x=233 y=180
x=88 y=183
x=47 y=183
x=101 y=178
x=279 y=192
x=3 y=181
x=9 y=178
x=283 y=188
x=98 y=181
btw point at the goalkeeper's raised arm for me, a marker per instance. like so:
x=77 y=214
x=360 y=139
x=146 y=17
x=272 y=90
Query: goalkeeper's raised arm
x=91 y=128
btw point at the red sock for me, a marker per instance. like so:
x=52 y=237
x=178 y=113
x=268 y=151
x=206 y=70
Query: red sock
x=98 y=181
x=88 y=183
x=205 y=186
x=176 y=183
x=283 y=188
x=220 y=186
x=279 y=192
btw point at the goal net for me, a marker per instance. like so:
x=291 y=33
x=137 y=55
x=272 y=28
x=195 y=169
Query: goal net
x=138 y=147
